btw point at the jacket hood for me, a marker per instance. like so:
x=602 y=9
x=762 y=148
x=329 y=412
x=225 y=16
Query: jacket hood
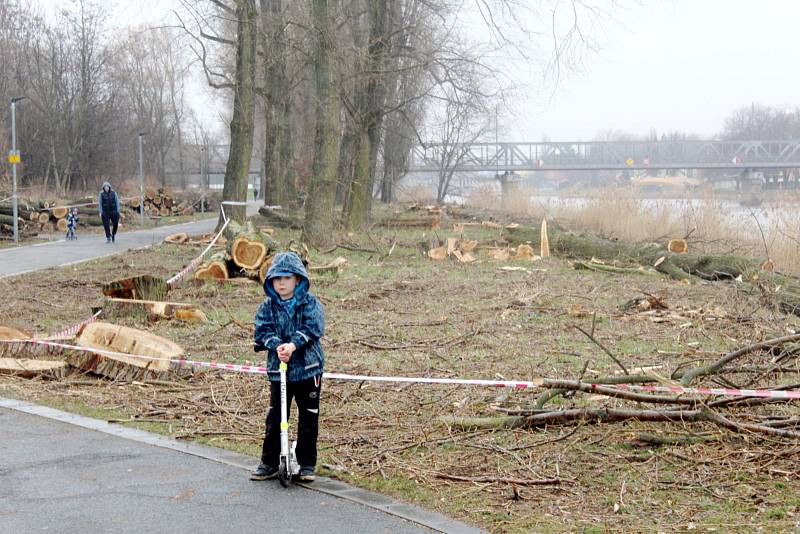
x=103 y=187
x=283 y=263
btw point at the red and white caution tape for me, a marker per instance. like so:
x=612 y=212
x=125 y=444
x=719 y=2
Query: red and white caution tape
x=514 y=384
x=195 y=262
x=74 y=329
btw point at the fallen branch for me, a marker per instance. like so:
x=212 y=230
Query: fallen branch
x=611 y=415
x=688 y=376
x=499 y=480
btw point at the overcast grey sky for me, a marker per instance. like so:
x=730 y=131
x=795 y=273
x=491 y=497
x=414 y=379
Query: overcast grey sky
x=676 y=65
x=663 y=64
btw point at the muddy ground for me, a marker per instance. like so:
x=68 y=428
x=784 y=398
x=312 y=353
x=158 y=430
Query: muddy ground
x=400 y=313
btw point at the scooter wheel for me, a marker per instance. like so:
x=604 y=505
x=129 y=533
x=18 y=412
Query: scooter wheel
x=283 y=475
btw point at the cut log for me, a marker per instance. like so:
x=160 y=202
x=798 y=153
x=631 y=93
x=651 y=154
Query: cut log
x=544 y=245
x=247 y=247
x=134 y=203
x=413 y=222
x=165 y=212
x=61 y=225
x=33 y=368
x=126 y=341
x=157 y=201
x=786 y=289
x=59 y=212
x=187 y=211
x=44 y=217
x=330 y=267
x=9 y=220
x=150 y=194
x=154 y=309
x=215 y=269
x=144 y=287
x=677 y=246
x=177 y=239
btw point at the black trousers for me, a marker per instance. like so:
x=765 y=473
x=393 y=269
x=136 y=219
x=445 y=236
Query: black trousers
x=113 y=219
x=306 y=394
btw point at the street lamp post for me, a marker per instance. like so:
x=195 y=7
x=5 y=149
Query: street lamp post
x=141 y=178
x=202 y=179
x=14 y=159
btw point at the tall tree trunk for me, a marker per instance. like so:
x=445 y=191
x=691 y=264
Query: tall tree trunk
x=347 y=159
x=269 y=176
x=319 y=205
x=241 y=148
x=279 y=179
x=370 y=115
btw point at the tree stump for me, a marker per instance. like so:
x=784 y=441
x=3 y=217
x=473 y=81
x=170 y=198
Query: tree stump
x=125 y=341
x=144 y=287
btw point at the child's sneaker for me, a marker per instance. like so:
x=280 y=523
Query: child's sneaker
x=306 y=474
x=264 y=472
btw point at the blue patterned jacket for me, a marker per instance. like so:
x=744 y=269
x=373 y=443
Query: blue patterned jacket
x=304 y=325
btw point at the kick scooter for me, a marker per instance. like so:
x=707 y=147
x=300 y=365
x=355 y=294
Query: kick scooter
x=287 y=466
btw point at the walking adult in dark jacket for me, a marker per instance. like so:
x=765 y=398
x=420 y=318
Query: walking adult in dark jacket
x=108 y=203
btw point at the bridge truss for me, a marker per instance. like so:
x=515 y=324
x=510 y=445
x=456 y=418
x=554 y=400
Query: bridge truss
x=608 y=155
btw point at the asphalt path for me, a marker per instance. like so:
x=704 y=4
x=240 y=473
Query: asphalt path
x=29 y=258
x=59 y=477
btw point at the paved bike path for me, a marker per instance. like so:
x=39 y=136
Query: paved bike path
x=59 y=477
x=28 y=258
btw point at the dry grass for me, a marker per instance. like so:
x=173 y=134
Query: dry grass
x=403 y=314
x=415 y=193
x=714 y=226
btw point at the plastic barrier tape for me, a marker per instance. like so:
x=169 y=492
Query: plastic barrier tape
x=538 y=383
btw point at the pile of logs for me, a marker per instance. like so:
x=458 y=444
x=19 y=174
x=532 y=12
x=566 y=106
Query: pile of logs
x=36 y=216
x=163 y=202
x=50 y=216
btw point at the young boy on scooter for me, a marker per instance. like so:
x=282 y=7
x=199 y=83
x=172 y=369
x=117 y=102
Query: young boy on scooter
x=289 y=325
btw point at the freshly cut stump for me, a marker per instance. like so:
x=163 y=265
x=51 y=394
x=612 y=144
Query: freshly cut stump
x=154 y=309
x=144 y=287
x=124 y=340
x=678 y=246
x=248 y=253
x=215 y=269
x=11 y=332
x=13 y=349
x=177 y=239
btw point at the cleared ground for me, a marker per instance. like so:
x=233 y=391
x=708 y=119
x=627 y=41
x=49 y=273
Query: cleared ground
x=403 y=314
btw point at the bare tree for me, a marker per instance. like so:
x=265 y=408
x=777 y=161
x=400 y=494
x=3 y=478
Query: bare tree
x=319 y=205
